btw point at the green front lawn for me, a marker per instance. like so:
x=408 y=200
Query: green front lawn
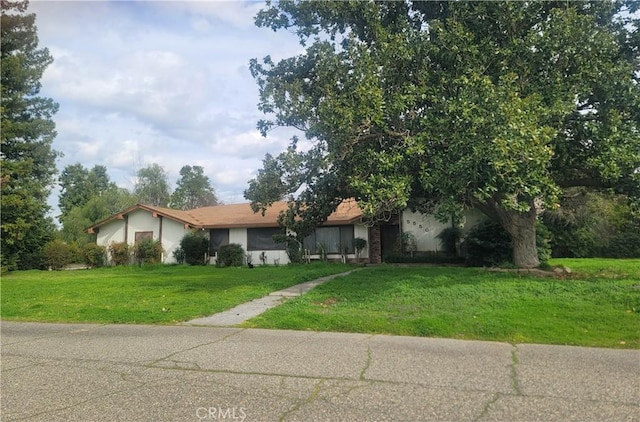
x=598 y=305
x=146 y=295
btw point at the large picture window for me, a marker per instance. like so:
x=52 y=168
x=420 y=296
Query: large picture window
x=261 y=239
x=334 y=239
x=217 y=238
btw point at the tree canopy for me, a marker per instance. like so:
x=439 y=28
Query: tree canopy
x=152 y=186
x=97 y=208
x=444 y=105
x=26 y=133
x=193 y=189
x=79 y=184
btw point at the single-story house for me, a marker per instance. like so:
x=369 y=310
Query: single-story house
x=237 y=223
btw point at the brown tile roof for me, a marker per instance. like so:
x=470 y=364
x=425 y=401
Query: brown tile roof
x=236 y=215
x=241 y=215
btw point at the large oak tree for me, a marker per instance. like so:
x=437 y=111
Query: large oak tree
x=27 y=131
x=443 y=105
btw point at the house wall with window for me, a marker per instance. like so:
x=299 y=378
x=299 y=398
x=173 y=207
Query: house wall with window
x=254 y=241
x=425 y=227
x=141 y=224
x=336 y=241
x=221 y=237
x=260 y=240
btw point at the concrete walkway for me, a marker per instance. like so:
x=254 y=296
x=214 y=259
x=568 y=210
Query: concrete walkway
x=245 y=311
x=85 y=372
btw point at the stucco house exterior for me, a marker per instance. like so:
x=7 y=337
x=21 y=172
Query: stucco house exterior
x=237 y=223
x=234 y=223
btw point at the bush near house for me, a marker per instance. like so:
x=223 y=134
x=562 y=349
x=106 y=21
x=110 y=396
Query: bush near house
x=120 y=253
x=57 y=254
x=450 y=239
x=231 y=255
x=148 y=251
x=94 y=255
x=489 y=244
x=193 y=248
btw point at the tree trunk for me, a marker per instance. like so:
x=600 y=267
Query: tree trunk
x=523 y=235
x=375 y=245
x=521 y=226
x=522 y=229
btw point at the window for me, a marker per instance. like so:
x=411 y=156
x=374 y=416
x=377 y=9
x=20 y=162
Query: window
x=262 y=239
x=143 y=235
x=217 y=238
x=333 y=238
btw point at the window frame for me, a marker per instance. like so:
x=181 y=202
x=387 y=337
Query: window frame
x=253 y=244
x=345 y=231
x=213 y=250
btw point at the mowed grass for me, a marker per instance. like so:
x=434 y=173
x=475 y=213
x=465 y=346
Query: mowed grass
x=143 y=295
x=597 y=305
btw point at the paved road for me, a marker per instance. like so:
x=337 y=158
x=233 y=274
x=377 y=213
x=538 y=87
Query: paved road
x=177 y=373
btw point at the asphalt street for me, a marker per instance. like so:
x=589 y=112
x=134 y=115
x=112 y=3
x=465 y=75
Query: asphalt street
x=83 y=372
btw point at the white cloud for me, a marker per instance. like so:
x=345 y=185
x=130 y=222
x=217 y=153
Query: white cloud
x=165 y=82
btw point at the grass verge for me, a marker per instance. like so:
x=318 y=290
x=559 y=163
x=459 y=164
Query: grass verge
x=598 y=305
x=143 y=295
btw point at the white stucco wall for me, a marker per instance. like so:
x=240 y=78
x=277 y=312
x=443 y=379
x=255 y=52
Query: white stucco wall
x=143 y=221
x=172 y=234
x=111 y=232
x=425 y=228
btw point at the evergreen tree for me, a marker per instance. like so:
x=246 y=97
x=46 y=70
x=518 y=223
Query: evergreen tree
x=78 y=185
x=27 y=131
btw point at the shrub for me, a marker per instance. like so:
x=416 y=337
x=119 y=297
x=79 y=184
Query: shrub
x=358 y=245
x=489 y=244
x=120 y=253
x=406 y=243
x=626 y=241
x=195 y=247
x=57 y=254
x=94 y=255
x=231 y=255
x=543 y=242
x=293 y=247
x=148 y=251
x=179 y=254
x=449 y=240
x=591 y=223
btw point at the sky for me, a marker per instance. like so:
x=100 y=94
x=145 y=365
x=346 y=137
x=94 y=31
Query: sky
x=166 y=82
